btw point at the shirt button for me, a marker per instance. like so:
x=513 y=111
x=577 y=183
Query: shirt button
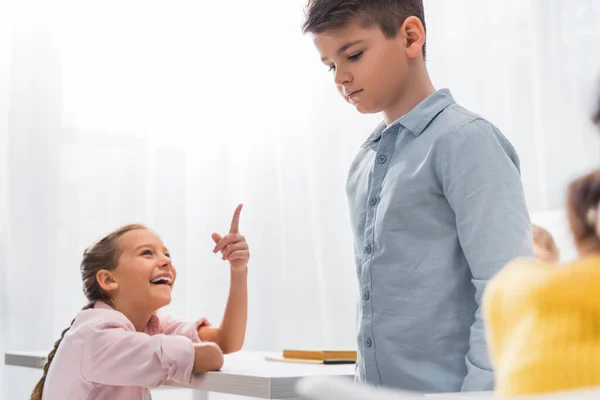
x=373 y=201
x=366 y=296
x=381 y=159
x=368 y=342
x=368 y=249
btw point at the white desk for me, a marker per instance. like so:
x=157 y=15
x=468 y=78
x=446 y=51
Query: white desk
x=463 y=396
x=247 y=374
x=244 y=374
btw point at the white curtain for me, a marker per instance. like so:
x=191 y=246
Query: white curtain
x=5 y=52
x=172 y=113
x=531 y=67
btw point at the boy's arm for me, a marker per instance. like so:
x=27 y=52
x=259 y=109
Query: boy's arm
x=483 y=186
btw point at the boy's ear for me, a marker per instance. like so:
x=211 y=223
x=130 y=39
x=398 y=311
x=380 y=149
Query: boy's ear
x=413 y=33
x=106 y=280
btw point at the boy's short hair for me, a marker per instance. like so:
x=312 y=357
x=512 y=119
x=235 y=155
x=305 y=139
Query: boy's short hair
x=389 y=15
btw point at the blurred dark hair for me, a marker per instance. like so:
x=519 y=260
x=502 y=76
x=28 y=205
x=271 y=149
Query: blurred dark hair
x=596 y=117
x=583 y=199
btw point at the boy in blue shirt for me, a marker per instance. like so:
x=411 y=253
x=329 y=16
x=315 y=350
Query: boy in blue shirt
x=436 y=202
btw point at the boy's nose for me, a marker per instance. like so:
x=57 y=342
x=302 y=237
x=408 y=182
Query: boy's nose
x=342 y=77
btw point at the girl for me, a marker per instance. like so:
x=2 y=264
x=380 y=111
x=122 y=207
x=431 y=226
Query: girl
x=544 y=245
x=543 y=319
x=118 y=346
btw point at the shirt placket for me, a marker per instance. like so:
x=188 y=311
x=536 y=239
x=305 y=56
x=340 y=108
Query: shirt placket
x=385 y=151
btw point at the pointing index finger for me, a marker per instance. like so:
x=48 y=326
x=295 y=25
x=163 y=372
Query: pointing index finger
x=235 y=222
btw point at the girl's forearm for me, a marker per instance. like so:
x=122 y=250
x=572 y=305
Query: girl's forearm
x=233 y=327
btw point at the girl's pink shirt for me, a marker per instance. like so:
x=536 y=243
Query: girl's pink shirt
x=103 y=357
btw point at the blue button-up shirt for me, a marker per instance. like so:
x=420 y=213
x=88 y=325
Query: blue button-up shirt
x=437 y=208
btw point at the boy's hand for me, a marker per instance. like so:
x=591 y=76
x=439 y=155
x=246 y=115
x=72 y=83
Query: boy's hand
x=233 y=246
x=544 y=245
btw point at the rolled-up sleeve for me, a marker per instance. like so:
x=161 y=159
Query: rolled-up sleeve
x=114 y=355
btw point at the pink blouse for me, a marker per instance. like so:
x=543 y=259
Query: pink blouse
x=103 y=357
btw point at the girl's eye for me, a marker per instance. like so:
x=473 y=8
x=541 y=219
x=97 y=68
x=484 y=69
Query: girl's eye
x=147 y=253
x=332 y=68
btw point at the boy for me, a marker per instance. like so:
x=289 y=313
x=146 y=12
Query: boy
x=436 y=202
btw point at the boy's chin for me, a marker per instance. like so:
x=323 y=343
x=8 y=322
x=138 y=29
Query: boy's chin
x=365 y=107
x=365 y=110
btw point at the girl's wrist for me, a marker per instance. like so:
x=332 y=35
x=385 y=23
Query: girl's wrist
x=240 y=271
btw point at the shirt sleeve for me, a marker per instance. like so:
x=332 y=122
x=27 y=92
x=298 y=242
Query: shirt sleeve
x=483 y=186
x=170 y=325
x=113 y=354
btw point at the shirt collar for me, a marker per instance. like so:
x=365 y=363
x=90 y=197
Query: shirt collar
x=419 y=117
x=151 y=327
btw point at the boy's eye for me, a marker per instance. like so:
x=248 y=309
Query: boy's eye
x=356 y=56
x=168 y=255
x=146 y=253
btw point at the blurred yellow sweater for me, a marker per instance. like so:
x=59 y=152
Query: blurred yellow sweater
x=543 y=326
